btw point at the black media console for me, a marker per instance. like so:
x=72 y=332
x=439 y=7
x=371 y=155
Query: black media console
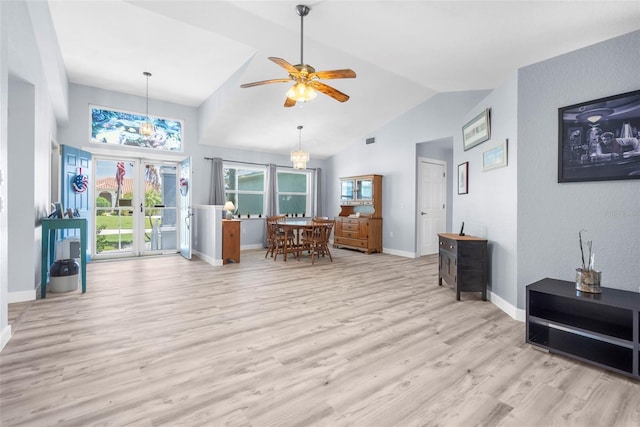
x=601 y=329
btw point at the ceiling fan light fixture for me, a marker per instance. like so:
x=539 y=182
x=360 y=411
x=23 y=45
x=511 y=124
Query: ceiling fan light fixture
x=299 y=158
x=301 y=92
x=147 y=128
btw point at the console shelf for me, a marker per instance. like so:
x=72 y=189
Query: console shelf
x=601 y=329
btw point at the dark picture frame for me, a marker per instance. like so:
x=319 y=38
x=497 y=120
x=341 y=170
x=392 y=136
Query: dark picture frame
x=599 y=140
x=477 y=131
x=463 y=178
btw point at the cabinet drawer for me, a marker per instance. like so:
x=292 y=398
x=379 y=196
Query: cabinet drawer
x=350 y=242
x=448 y=245
x=350 y=226
x=351 y=234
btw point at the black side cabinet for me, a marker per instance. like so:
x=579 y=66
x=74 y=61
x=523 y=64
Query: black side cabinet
x=463 y=263
x=600 y=329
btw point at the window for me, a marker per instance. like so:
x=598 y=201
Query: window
x=244 y=186
x=294 y=193
x=113 y=127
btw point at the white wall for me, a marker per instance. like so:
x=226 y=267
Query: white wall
x=550 y=214
x=77 y=133
x=30 y=128
x=489 y=210
x=394 y=156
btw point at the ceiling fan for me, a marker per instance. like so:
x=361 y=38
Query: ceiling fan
x=306 y=79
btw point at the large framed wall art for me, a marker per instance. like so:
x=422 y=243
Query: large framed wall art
x=114 y=127
x=599 y=140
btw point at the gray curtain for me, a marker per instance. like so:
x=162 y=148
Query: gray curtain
x=272 y=194
x=216 y=193
x=318 y=200
x=272 y=190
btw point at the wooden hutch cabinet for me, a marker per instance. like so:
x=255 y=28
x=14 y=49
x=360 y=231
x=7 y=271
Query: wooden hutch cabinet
x=359 y=224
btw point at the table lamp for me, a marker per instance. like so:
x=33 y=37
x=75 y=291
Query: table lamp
x=229 y=207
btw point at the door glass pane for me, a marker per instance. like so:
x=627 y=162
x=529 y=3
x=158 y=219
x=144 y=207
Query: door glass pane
x=160 y=207
x=114 y=206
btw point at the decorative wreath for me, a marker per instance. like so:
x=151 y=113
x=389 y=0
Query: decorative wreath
x=80 y=183
x=184 y=186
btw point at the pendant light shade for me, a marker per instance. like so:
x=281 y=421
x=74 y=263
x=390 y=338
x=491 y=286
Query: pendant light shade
x=299 y=158
x=147 y=128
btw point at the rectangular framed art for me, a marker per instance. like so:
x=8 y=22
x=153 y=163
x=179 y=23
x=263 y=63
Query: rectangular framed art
x=477 y=131
x=495 y=157
x=463 y=178
x=599 y=140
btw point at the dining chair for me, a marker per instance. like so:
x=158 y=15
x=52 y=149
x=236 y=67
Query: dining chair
x=316 y=239
x=273 y=238
x=276 y=237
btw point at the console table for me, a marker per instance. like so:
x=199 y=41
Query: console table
x=600 y=329
x=463 y=263
x=49 y=227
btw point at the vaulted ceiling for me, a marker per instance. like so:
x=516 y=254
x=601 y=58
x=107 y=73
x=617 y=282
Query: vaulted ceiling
x=403 y=52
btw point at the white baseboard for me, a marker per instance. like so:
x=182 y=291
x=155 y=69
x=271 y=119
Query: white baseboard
x=5 y=336
x=399 y=253
x=208 y=259
x=21 y=296
x=514 y=312
x=254 y=246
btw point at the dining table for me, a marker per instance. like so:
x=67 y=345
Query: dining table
x=293 y=228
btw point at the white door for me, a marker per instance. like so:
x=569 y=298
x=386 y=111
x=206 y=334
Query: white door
x=432 y=196
x=185 y=208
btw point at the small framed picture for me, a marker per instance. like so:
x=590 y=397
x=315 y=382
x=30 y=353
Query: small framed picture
x=495 y=157
x=463 y=178
x=477 y=131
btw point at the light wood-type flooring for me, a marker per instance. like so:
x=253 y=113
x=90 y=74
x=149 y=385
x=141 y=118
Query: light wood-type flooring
x=368 y=340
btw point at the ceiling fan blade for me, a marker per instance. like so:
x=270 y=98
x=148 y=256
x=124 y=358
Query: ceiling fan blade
x=265 y=82
x=289 y=102
x=334 y=74
x=328 y=90
x=284 y=64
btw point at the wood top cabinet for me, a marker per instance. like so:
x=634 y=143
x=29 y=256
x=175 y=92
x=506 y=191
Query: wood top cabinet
x=230 y=240
x=359 y=223
x=463 y=263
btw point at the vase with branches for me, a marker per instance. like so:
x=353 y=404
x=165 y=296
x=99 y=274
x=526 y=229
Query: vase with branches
x=587 y=278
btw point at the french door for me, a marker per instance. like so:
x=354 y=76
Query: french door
x=135 y=208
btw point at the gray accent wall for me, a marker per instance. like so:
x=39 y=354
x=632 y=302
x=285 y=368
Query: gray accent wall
x=550 y=214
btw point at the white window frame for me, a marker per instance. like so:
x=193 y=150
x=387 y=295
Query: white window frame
x=244 y=166
x=308 y=192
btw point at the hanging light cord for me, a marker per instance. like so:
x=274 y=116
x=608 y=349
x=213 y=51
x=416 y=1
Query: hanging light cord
x=300 y=138
x=147 y=74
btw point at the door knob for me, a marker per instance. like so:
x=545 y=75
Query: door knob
x=422 y=213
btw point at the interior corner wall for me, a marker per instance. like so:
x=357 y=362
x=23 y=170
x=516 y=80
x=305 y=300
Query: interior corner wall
x=5 y=329
x=30 y=127
x=550 y=214
x=490 y=209
x=21 y=152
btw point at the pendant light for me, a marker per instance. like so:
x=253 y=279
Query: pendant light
x=299 y=158
x=147 y=128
